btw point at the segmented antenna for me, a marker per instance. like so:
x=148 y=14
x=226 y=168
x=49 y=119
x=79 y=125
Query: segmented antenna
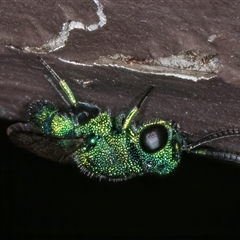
x=231 y=132
x=211 y=152
x=217 y=154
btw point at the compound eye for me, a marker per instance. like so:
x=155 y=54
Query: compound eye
x=153 y=138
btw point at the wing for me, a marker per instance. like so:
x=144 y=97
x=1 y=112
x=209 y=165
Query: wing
x=26 y=135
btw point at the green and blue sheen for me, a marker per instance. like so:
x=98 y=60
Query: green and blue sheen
x=107 y=147
x=101 y=145
x=105 y=151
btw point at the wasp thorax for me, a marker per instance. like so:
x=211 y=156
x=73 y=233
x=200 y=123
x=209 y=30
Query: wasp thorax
x=153 y=138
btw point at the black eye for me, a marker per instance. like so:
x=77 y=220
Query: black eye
x=153 y=138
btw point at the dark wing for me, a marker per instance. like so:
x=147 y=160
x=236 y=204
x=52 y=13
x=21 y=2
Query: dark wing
x=26 y=135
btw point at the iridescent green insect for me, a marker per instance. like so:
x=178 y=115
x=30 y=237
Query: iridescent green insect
x=105 y=146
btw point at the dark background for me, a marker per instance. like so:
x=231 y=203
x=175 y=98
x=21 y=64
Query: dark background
x=44 y=199
x=47 y=200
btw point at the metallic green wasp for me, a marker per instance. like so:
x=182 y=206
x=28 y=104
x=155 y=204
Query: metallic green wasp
x=104 y=146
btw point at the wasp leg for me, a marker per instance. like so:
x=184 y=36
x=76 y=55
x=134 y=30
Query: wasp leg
x=135 y=110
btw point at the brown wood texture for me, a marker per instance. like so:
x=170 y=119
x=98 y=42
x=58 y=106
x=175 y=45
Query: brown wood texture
x=140 y=29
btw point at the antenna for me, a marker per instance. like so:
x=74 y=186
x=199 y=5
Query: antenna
x=231 y=132
x=211 y=152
